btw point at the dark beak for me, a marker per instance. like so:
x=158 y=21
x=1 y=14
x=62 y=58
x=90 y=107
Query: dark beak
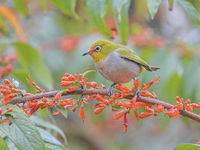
x=86 y=53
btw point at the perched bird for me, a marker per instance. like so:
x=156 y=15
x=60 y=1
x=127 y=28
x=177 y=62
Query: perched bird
x=117 y=63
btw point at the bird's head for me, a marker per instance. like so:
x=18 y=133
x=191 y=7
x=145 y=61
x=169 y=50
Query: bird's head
x=100 y=49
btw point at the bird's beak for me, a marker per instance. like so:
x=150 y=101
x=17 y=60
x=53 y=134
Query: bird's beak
x=86 y=53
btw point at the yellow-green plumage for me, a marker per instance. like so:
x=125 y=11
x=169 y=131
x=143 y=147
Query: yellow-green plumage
x=116 y=62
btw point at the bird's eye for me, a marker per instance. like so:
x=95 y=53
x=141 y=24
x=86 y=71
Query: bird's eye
x=98 y=48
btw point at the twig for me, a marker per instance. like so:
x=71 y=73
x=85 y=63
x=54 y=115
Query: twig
x=152 y=101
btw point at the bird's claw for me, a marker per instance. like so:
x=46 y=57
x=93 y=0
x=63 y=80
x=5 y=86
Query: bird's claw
x=137 y=92
x=109 y=91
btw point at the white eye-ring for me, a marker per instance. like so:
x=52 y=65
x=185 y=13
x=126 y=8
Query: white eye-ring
x=98 y=48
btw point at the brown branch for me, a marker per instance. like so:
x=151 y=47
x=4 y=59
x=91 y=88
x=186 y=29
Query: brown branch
x=152 y=101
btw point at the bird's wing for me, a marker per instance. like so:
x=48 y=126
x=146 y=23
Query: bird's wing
x=129 y=55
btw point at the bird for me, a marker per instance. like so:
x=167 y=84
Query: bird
x=117 y=63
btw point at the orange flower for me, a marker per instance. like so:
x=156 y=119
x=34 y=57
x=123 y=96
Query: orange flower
x=123 y=88
x=146 y=93
x=82 y=112
x=118 y=104
x=57 y=97
x=189 y=108
x=74 y=109
x=146 y=86
x=66 y=83
x=92 y=84
x=136 y=84
x=72 y=88
x=145 y=114
x=127 y=104
x=9 y=110
x=195 y=105
x=89 y=98
x=148 y=109
x=67 y=106
x=179 y=106
x=115 y=96
x=119 y=114
x=8 y=98
x=133 y=100
x=139 y=104
x=173 y=113
x=98 y=110
x=159 y=108
x=56 y=113
x=125 y=123
x=136 y=114
x=100 y=98
x=10 y=123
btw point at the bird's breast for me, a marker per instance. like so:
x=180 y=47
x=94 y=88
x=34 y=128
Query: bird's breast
x=117 y=69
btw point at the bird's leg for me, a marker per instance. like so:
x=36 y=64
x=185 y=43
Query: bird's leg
x=137 y=92
x=110 y=89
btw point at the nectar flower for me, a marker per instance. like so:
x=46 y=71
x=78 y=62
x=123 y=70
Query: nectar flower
x=119 y=114
x=98 y=110
x=82 y=112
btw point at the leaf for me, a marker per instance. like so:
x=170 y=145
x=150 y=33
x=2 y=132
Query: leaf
x=97 y=10
x=120 y=9
x=23 y=132
x=14 y=22
x=66 y=6
x=62 y=110
x=32 y=62
x=153 y=7
x=50 y=141
x=10 y=144
x=117 y=108
x=21 y=7
x=3 y=145
x=191 y=11
x=187 y=147
x=48 y=125
x=171 y=3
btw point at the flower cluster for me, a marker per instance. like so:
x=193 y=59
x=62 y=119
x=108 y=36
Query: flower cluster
x=120 y=101
x=5 y=64
x=3 y=118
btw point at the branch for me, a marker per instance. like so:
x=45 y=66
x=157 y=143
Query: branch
x=152 y=101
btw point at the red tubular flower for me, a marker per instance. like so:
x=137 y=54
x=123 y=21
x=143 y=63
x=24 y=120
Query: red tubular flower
x=173 y=113
x=198 y=143
x=33 y=110
x=8 y=98
x=133 y=100
x=189 y=108
x=146 y=86
x=74 y=109
x=98 y=110
x=1 y=110
x=136 y=84
x=89 y=98
x=100 y=98
x=119 y=114
x=115 y=96
x=179 y=106
x=146 y=93
x=9 y=110
x=66 y=83
x=195 y=105
x=6 y=81
x=67 y=106
x=145 y=114
x=127 y=104
x=57 y=97
x=136 y=114
x=10 y=123
x=92 y=84
x=3 y=86
x=139 y=104
x=98 y=104
x=72 y=88
x=159 y=108
x=118 y=104
x=56 y=113
x=13 y=90
x=148 y=109
x=82 y=112
x=125 y=123
x=123 y=88
x=5 y=91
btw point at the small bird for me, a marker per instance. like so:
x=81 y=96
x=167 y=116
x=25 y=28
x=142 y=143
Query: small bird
x=117 y=63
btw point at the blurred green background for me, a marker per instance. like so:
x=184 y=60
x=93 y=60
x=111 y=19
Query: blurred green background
x=61 y=35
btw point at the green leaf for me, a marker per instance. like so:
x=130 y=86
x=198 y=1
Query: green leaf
x=153 y=7
x=187 y=147
x=191 y=11
x=120 y=9
x=50 y=141
x=3 y=145
x=48 y=125
x=66 y=6
x=32 y=62
x=97 y=10
x=23 y=132
x=20 y=6
x=62 y=110
x=117 y=108
x=10 y=144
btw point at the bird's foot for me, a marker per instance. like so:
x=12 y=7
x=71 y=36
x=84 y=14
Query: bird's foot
x=137 y=92
x=110 y=90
